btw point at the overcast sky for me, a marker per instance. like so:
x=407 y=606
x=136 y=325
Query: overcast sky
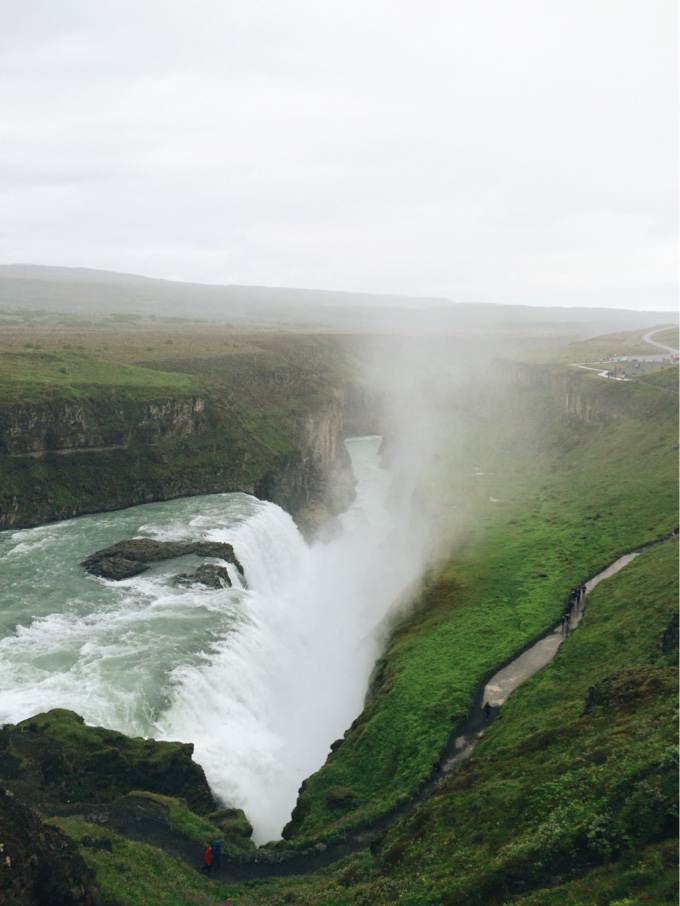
x=492 y=150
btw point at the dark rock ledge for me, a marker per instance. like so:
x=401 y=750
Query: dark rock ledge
x=130 y=558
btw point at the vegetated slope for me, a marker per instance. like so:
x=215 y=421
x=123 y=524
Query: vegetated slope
x=572 y=796
x=82 y=431
x=630 y=343
x=561 y=498
x=96 y=783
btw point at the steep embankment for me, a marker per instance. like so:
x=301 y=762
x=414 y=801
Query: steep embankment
x=80 y=434
x=558 y=495
x=586 y=397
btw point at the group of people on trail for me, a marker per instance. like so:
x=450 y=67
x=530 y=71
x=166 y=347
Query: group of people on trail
x=576 y=598
x=211 y=857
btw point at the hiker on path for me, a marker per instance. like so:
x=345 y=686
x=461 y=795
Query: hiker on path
x=207 y=860
x=216 y=853
x=487 y=710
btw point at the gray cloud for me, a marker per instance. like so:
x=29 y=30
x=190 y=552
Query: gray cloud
x=505 y=151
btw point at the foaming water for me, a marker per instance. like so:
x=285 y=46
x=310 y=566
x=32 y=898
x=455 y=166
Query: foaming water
x=261 y=679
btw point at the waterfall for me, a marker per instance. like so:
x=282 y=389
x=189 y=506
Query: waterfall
x=260 y=678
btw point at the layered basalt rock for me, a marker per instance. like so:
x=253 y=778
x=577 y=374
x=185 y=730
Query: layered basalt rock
x=66 y=426
x=61 y=462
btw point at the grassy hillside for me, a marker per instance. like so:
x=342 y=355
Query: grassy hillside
x=32 y=375
x=599 y=348
x=569 y=497
x=558 y=806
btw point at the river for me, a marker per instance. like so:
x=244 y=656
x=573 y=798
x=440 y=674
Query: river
x=260 y=678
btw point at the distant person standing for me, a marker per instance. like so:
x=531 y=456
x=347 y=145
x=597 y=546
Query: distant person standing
x=216 y=853
x=207 y=860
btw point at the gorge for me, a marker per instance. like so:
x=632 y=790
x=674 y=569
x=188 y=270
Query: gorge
x=519 y=495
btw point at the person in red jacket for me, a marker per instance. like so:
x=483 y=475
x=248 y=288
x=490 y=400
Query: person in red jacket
x=207 y=860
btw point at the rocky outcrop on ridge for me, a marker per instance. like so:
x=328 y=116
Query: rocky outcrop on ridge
x=54 y=759
x=38 y=863
x=130 y=558
x=67 y=426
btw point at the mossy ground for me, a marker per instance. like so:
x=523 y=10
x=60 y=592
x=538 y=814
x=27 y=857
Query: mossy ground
x=134 y=873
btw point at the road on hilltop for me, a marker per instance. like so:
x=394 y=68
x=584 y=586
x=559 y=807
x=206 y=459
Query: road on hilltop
x=648 y=339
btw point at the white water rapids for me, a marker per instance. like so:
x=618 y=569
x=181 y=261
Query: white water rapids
x=261 y=679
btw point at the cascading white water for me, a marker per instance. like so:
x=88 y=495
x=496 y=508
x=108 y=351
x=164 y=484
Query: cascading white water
x=261 y=679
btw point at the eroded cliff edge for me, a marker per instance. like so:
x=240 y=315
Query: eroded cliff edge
x=265 y=423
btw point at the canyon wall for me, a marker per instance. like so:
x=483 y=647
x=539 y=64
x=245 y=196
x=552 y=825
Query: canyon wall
x=583 y=395
x=65 y=426
x=61 y=458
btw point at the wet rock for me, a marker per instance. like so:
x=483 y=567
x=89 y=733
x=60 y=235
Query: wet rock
x=101 y=845
x=209 y=574
x=339 y=797
x=129 y=558
x=232 y=822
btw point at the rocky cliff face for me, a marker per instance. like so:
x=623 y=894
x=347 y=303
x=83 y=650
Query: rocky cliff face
x=62 y=458
x=39 y=864
x=315 y=481
x=580 y=395
x=53 y=759
x=63 y=426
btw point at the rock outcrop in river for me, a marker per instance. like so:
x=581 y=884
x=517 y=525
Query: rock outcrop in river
x=130 y=558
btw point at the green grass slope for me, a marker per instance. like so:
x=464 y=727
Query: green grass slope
x=570 y=498
x=560 y=804
x=30 y=376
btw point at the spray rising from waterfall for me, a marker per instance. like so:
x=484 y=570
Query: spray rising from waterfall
x=265 y=706
x=261 y=679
